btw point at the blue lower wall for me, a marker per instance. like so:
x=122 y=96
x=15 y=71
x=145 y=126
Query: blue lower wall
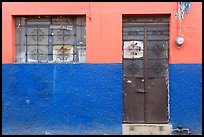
x=86 y=98
x=62 y=99
x=186 y=96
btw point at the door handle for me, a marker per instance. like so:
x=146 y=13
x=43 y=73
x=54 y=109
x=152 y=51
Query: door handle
x=141 y=91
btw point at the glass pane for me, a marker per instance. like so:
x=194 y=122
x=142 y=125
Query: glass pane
x=34 y=31
x=19 y=21
x=44 y=36
x=37 y=36
x=38 y=20
x=41 y=40
x=81 y=20
x=63 y=20
x=81 y=54
x=67 y=40
x=63 y=37
x=20 y=36
x=36 y=53
x=81 y=35
x=31 y=40
x=20 y=53
x=20 y=43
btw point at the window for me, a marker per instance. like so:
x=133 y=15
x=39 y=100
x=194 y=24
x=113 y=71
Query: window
x=50 y=39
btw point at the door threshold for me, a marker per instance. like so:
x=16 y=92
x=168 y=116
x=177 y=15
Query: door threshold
x=146 y=129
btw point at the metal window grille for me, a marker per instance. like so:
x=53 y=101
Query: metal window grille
x=50 y=39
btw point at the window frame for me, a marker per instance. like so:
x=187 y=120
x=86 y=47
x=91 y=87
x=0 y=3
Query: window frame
x=79 y=48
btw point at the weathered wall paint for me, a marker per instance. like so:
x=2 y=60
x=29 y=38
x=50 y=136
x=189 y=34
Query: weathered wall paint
x=86 y=98
x=62 y=99
x=104 y=27
x=186 y=96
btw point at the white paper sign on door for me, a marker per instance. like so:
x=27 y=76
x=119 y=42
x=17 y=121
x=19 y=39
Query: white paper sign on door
x=133 y=49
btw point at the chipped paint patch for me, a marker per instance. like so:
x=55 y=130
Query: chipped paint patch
x=129 y=81
x=27 y=101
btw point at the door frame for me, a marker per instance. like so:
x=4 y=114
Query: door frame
x=145 y=58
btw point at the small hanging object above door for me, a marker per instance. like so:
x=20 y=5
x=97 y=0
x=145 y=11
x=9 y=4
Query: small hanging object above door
x=133 y=49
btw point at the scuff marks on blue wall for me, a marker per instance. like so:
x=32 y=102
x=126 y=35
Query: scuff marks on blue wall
x=62 y=99
x=86 y=98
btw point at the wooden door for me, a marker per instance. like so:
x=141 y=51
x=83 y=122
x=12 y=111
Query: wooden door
x=145 y=69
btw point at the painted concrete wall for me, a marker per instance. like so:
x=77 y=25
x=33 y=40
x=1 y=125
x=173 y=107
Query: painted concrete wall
x=87 y=98
x=104 y=27
x=186 y=96
x=62 y=99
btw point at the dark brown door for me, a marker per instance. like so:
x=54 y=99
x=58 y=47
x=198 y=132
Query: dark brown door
x=145 y=69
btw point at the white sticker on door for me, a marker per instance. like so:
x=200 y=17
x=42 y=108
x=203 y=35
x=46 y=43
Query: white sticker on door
x=133 y=49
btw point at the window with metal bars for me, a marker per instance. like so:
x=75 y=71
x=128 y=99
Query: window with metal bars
x=51 y=39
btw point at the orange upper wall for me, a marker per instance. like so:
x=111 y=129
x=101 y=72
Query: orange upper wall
x=104 y=28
